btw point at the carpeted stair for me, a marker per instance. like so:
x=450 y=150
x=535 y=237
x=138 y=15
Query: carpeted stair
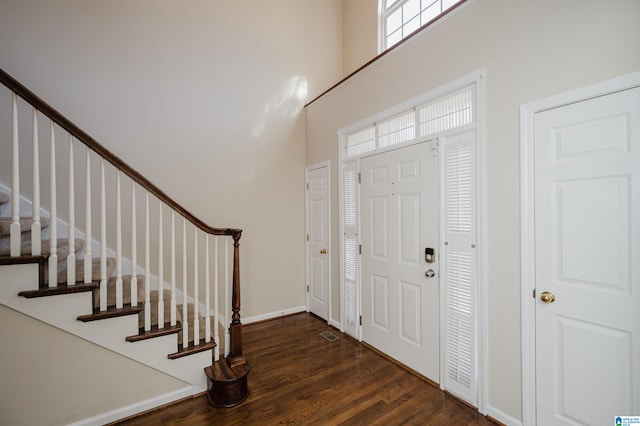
x=63 y=287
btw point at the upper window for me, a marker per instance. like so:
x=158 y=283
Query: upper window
x=421 y=122
x=399 y=18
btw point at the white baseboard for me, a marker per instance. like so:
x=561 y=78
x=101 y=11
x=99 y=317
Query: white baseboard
x=502 y=417
x=335 y=324
x=271 y=315
x=136 y=408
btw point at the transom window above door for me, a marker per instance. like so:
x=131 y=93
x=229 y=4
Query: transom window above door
x=399 y=18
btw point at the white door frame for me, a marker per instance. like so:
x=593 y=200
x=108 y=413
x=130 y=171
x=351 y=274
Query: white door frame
x=527 y=205
x=307 y=170
x=477 y=78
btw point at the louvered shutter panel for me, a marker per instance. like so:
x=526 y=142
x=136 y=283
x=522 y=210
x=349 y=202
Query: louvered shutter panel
x=351 y=215
x=460 y=273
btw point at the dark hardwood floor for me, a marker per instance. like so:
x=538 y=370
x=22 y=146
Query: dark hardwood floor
x=298 y=377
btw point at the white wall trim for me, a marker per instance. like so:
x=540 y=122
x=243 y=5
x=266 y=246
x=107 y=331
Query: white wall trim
x=341 y=159
x=138 y=407
x=307 y=170
x=502 y=417
x=527 y=220
x=276 y=314
x=481 y=215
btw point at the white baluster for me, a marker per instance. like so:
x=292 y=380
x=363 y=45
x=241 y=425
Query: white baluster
x=119 y=298
x=88 y=250
x=160 y=270
x=196 y=316
x=207 y=295
x=227 y=302
x=185 y=317
x=71 y=257
x=173 y=268
x=216 y=334
x=103 y=239
x=14 y=229
x=53 y=214
x=147 y=266
x=134 y=248
x=36 y=227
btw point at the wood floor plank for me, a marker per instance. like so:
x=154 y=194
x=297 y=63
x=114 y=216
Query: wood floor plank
x=298 y=377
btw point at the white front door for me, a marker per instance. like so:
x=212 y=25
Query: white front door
x=587 y=260
x=318 y=237
x=400 y=303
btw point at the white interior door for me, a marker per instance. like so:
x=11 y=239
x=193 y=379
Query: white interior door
x=318 y=236
x=400 y=304
x=587 y=256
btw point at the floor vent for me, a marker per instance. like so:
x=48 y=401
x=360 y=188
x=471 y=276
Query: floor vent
x=329 y=336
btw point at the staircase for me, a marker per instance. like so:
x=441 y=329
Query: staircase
x=166 y=314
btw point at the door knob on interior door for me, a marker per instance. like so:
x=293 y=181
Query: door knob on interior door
x=323 y=251
x=430 y=273
x=547 y=297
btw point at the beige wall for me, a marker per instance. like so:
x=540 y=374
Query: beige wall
x=203 y=98
x=360 y=32
x=529 y=50
x=50 y=377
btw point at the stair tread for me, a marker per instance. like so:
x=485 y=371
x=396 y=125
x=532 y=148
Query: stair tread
x=25 y=224
x=61 y=289
x=221 y=372
x=111 y=313
x=192 y=349
x=154 y=332
x=4 y=198
x=25 y=249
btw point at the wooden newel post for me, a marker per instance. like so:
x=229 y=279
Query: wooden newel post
x=227 y=379
x=235 y=357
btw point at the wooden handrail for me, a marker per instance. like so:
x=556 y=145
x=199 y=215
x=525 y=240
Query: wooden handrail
x=117 y=162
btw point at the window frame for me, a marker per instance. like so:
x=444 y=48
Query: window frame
x=384 y=12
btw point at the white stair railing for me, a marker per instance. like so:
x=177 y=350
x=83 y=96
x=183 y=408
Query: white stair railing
x=134 y=248
x=103 y=239
x=15 y=230
x=119 y=290
x=160 y=269
x=36 y=235
x=173 y=319
x=71 y=241
x=200 y=306
x=196 y=290
x=185 y=314
x=88 y=250
x=53 y=214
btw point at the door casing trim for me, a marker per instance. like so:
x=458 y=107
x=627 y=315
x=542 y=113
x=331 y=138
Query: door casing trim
x=527 y=220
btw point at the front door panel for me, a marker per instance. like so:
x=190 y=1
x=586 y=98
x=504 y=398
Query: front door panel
x=400 y=304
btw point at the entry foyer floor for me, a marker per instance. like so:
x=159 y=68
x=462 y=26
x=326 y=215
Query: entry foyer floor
x=299 y=377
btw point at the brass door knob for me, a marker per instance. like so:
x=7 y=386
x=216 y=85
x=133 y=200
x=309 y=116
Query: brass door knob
x=323 y=251
x=547 y=297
